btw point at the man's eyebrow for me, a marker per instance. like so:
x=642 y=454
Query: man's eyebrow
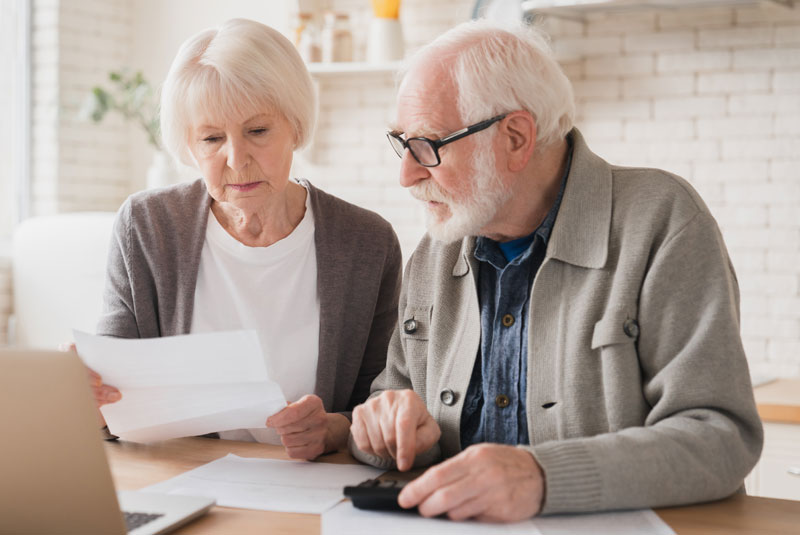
x=420 y=130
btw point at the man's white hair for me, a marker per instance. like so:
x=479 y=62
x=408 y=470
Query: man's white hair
x=499 y=68
x=237 y=70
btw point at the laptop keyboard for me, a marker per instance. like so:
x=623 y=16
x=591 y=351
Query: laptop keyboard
x=135 y=520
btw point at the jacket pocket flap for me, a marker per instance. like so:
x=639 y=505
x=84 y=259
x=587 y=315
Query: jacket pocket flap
x=415 y=322
x=610 y=330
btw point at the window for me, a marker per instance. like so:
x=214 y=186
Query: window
x=15 y=111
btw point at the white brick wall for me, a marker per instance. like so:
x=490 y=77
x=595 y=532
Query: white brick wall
x=93 y=166
x=77 y=165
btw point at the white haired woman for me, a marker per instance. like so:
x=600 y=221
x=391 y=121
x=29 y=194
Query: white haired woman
x=246 y=247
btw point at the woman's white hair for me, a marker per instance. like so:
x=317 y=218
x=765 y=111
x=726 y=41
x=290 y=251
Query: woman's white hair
x=498 y=68
x=237 y=70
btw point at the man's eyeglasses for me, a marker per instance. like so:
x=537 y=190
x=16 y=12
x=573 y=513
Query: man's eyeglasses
x=426 y=151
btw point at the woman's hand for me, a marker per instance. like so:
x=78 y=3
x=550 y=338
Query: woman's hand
x=307 y=431
x=103 y=393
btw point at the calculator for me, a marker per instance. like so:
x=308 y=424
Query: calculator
x=377 y=494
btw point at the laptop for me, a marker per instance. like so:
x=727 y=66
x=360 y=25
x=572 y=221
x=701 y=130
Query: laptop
x=54 y=476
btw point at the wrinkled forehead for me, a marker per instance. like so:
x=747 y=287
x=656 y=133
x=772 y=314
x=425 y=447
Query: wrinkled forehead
x=427 y=103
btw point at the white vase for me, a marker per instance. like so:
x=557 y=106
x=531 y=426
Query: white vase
x=385 y=42
x=161 y=171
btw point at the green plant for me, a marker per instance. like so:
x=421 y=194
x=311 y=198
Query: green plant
x=133 y=97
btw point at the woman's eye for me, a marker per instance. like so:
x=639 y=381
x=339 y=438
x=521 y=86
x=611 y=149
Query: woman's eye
x=258 y=131
x=211 y=139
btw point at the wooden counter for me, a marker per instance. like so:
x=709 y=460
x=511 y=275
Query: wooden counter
x=779 y=401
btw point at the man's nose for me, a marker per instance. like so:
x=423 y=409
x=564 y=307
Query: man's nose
x=411 y=171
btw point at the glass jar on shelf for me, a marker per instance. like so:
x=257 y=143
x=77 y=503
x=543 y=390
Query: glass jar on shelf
x=337 y=38
x=307 y=38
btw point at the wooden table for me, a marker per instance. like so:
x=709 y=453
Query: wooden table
x=134 y=466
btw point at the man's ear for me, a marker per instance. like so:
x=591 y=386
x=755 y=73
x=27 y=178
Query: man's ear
x=518 y=131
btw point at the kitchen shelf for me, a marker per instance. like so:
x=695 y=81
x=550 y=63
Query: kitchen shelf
x=360 y=67
x=580 y=8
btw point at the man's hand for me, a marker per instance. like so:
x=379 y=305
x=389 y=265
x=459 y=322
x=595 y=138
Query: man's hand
x=395 y=425
x=488 y=482
x=307 y=431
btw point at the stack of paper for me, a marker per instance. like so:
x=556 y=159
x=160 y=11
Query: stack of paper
x=183 y=385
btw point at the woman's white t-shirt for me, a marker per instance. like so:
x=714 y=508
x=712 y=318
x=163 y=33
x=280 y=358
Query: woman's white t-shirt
x=272 y=290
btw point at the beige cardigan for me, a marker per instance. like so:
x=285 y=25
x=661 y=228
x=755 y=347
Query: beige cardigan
x=620 y=415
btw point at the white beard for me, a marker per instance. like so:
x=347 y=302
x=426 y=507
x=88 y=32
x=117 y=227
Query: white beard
x=469 y=216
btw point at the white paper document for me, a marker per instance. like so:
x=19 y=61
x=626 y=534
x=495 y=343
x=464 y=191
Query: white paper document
x=181 y=386
x=268 y=484
x=641 y=522
x=346 y=519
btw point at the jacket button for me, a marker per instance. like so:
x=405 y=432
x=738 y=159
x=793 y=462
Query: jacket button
x=448 y=397
x=502 y=401
x=508 y=320
x=631 y=328
x=410 y=326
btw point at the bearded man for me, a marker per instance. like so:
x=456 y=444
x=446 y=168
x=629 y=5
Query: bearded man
x=568 y=335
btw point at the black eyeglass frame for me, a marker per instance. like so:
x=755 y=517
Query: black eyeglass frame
x=436 y=144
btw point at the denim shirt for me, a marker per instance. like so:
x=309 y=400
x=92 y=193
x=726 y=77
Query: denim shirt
x=494 y=406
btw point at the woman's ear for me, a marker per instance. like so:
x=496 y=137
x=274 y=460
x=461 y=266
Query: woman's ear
x=519 y=134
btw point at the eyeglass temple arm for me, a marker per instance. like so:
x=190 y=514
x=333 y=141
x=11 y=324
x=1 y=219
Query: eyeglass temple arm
x=469 y=130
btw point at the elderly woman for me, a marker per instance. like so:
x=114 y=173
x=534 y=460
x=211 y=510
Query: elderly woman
x=246 y=247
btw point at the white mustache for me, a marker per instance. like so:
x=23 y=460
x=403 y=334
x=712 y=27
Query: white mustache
x=428 y=191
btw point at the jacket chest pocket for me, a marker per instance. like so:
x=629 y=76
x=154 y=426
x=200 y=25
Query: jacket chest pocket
x=615 y=329
x=415 y=328
x=415 y=323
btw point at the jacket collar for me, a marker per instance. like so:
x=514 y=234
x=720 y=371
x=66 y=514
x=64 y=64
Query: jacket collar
x=583 y=225
x=581 y=231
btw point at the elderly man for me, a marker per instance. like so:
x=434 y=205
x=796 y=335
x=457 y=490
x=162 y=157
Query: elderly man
x=568 y=337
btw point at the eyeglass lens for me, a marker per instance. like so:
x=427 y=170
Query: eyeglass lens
x=397 y=144
x=423 y=150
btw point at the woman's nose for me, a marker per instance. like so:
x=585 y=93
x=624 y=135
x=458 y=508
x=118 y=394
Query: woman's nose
x=238 y=156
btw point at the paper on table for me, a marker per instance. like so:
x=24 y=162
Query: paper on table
x=182 y=385
x=268 y=484
x=641 y=522
x=344 y=518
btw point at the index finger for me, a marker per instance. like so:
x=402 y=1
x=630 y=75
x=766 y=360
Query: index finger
x=406 y=437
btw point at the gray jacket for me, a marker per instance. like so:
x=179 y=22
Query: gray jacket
x=155 y=256
x=638 y=388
